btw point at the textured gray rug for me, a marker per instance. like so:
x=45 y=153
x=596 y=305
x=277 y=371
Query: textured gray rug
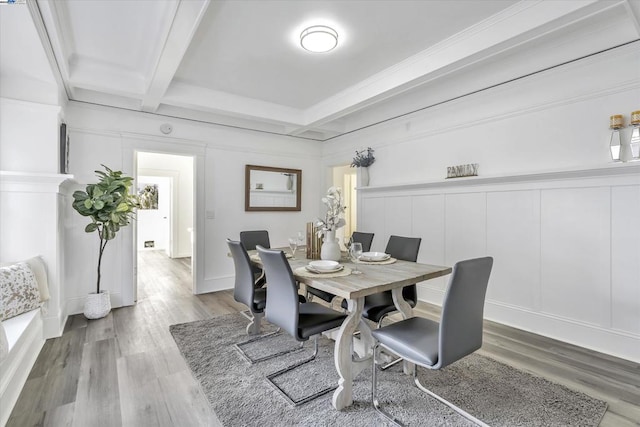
x=240 y=395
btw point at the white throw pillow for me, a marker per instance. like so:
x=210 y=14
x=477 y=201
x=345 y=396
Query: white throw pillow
x=37 y=266
x=18 y=290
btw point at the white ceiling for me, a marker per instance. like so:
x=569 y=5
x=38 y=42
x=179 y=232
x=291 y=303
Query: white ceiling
x=239 y=63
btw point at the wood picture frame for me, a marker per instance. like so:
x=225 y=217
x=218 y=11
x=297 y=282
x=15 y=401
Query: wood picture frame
x=269 y=189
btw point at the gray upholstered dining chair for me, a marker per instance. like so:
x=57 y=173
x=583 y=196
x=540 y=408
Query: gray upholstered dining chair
x=244 y=290
x=300 y=320
x=365 y=239
x=378 y=306
x=251 y=239
x=254 y=298
x=435 y=345
x=357 y=236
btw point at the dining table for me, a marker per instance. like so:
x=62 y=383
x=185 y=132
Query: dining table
x=351 y=357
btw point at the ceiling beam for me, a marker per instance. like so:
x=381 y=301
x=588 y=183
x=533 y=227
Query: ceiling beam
x=185 y=23
x=54 y=48
x=505 y=30
x=195 y=97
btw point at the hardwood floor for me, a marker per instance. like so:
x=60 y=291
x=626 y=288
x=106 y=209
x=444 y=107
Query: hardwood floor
x=126 y=370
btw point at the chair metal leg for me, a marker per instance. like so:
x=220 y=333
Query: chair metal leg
x=392 y=363
x=261 y=359
x=374 y=390
x=446 y=402
x=255 y=322
x=305 y=399
x=381 y=411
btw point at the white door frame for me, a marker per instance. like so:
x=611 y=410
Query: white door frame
x=130 y=147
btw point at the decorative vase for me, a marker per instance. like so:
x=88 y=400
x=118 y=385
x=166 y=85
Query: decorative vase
x=364 y=177
x=330 y=249
x=96 y=306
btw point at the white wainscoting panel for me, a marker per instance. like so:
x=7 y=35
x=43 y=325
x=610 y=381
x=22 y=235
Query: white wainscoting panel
x=625 y=258
x=374 y=221
x=428 y=223
x=398 y=218
x=513 y=230
x=566 y=247
x=465 y=226
x=575 y=268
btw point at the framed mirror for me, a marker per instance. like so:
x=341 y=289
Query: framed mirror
x=272 y=189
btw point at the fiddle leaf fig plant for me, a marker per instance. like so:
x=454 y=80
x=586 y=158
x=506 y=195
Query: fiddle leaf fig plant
x=110 y=205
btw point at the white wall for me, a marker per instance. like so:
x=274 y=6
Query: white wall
x=29 y=134
x=555 y=120
x=559 y=218
x=110 y=136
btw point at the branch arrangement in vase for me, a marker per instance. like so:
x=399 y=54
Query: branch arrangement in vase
x=363 y=158
x=335 y=207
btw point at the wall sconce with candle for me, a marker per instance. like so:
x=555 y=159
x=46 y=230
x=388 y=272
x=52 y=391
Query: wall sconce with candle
x=616 y=122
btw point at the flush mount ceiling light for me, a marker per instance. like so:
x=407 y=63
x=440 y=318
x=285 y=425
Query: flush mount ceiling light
x=319 y=39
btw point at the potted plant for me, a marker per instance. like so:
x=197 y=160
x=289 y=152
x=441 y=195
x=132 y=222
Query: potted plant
x=363 y=159
x=111 y=206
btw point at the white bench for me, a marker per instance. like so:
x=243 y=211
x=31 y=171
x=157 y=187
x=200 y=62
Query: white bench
x=25 y=337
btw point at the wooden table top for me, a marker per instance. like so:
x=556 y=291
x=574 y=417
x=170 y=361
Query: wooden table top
x=374 y=278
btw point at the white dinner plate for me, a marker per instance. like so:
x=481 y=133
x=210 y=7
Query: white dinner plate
x=374 y=256
x=313 y=270
x=324 y=265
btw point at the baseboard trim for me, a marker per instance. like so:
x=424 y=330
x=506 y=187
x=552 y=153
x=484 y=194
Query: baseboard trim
x=216 y=284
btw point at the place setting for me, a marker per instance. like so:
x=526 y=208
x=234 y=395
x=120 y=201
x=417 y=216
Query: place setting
x=323 y=268
x=379 y=258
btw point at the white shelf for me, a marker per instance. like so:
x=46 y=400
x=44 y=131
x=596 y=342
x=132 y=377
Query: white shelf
x=612 y=169
x=32 y=181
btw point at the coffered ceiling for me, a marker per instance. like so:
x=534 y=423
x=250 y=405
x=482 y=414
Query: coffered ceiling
x=239 y=62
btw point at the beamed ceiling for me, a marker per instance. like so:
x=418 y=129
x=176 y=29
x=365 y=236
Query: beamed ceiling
x=239 y=63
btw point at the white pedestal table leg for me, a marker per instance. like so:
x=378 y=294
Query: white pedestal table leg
x=345 y=365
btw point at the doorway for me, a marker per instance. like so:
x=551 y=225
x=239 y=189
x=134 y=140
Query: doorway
x=165 y=186
x=345 y=178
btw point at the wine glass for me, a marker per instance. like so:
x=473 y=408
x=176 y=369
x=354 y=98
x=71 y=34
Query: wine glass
x=293 y=244
x=355 y=252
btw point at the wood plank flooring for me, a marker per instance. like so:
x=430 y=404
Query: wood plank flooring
x=125 y=369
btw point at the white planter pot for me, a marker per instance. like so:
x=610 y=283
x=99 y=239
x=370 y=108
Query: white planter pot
x=96 y=306
x=330 y=249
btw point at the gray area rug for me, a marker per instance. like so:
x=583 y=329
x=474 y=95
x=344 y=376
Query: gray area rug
x=241 y=396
